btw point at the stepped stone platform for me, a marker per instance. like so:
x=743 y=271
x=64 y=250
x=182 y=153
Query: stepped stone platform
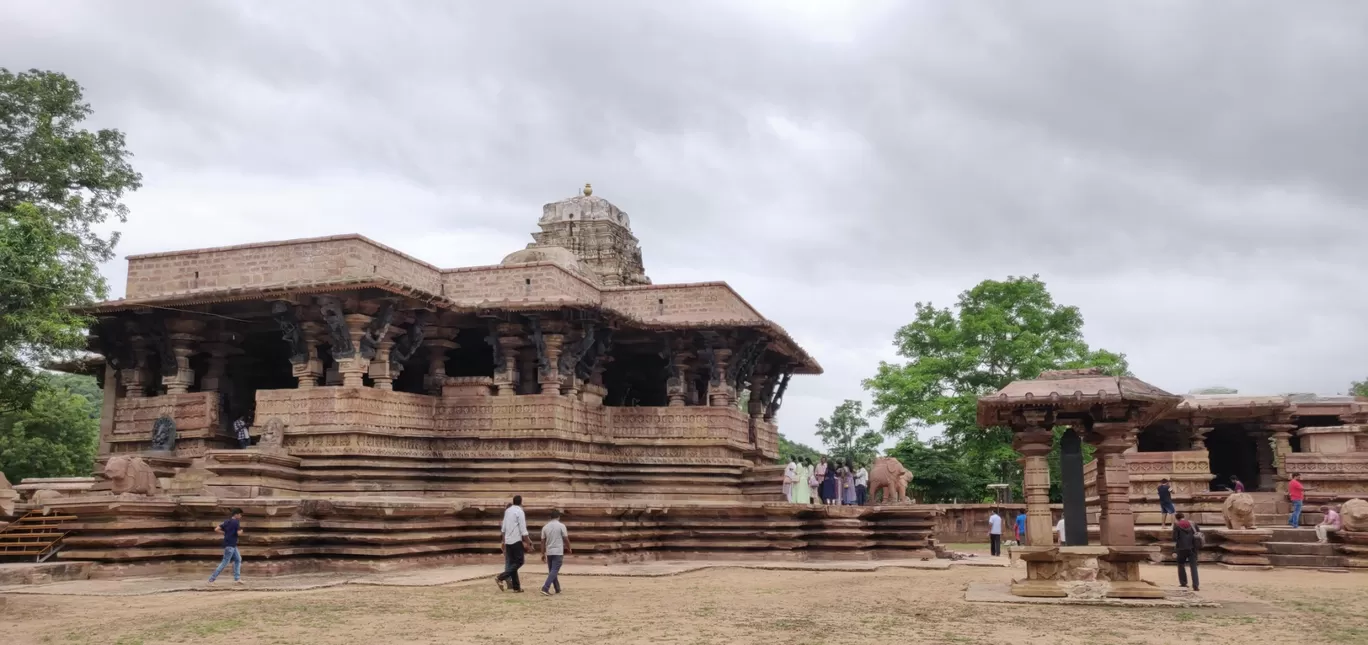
x=142 y=535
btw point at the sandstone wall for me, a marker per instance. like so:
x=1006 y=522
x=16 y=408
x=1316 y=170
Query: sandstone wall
x=196 y=415
x=667 y=303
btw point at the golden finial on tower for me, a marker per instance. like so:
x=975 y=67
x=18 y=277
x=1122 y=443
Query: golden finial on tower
x=588 y=190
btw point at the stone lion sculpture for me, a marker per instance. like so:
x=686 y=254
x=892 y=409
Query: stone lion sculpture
x=890 y=476
x=130 y=475
x=1239 y=511
x=1354 y=515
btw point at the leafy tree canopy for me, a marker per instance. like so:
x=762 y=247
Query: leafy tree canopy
x=847 y=435
x=1215 y=389
x=940 y=473
x=998 y=332
x=57 y=435
x=792 y=450
x=57 y=182
x=1359 y=388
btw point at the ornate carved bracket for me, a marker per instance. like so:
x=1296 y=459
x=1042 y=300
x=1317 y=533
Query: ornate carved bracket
x=376 y=330
x=570 y=359
x=159 y=338
x=290 y=331
x=743 y=366
x=114 y=342
x=409 y=343
x=595 y=356
x=772 y=407
x=331 y=309
x=495 y=349
x=539 y=341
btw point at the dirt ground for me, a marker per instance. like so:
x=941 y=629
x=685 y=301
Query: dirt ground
x=721 y=606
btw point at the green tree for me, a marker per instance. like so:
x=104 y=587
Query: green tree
x=58 y=181
x=1358 y=388
x=57 y=435
x=998 y=332
x=940 y=474
x=796 y=451
x=847 y=435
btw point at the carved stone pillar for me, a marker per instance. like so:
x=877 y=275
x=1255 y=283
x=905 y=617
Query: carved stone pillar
x=510 y=343
x=437 y=347
x=185 y=339
x=1268 y=469
x=352 y=365
x=1113 y=483
x=225 y=344
x=720 y=393
x=1034 y=446
x=553 y=341
x=1281 y=434
x=310 y=368
x=676 y=388
x=134 y=379
x=381 y=373
x=1199 y=434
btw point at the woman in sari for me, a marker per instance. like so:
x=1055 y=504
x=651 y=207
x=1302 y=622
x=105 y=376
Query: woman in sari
x=790 y=476
x=800 y=482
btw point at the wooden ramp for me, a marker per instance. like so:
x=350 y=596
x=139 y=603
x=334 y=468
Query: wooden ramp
x=33 y=537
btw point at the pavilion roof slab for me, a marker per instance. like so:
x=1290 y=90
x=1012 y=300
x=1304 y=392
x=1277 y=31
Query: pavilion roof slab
x=1076 y=392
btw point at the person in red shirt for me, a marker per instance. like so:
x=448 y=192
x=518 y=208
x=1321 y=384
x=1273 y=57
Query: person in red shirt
x=1297 y=494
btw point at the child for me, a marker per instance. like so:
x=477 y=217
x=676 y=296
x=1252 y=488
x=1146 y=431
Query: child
x=230 y=529
x=555 y=544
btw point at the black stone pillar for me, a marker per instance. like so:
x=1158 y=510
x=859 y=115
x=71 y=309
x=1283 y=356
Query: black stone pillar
x=1071 y=481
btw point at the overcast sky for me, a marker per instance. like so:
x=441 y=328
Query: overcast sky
x=1192 y=175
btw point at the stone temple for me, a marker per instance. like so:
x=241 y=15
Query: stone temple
x=396 y=407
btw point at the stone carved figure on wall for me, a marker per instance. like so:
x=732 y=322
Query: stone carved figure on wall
x=160 y=340
x=272 y=435
x=891 y=477
x=164 y=433
x=284 y=314
x=570 y=359
x=500 y=367
x=1239 y=511
x=130 y=475
x=376 y=330
x=331 y=309
x=1354 y=516
x=408 y=344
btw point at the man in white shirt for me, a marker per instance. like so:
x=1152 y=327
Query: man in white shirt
x=514 y=545
x=995 y=533
x=1059 y=531
x=861 y=485
x=555 y=544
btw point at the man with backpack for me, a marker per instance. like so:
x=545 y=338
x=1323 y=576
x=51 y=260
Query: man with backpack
x=1187 y=545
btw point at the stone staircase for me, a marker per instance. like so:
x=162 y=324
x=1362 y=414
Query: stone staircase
x=34 y=537
x=1298 y=548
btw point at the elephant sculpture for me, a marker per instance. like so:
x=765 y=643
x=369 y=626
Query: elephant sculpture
x=1239 y=511
x=1354 y=515
x=891 y=477
x=130 y=475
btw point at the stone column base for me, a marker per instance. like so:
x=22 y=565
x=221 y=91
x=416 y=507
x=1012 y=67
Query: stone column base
x=1084 y=572
x=1246 y=547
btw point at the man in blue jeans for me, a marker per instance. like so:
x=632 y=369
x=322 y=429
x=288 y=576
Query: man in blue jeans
x=555 y=544
x=230 y=529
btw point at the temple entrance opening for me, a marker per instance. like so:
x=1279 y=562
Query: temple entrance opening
x=1234 y=452
x=635 y=377
x=1164 y=436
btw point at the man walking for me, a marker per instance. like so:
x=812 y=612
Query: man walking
x=995 y=533
x=515 y=544
x=1166 y=507
x=1186 y=545
x=1296 y=493
x=1021 y=528
x=555 y=544
x=230 y=529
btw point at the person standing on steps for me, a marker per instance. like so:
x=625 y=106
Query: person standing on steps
x=555 y=544
x=515 y=544
x=1165 y=502
x=230 y=529
x=995 y=534
x=1186 y=546
x=1296 y=493
x=862 y=485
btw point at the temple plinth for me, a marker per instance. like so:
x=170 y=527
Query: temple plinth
x=1105 y=411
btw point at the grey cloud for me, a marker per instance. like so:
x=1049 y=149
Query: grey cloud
x=1189 y=173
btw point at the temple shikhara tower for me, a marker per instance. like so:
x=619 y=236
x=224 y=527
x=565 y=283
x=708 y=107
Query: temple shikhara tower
x=396 y=406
